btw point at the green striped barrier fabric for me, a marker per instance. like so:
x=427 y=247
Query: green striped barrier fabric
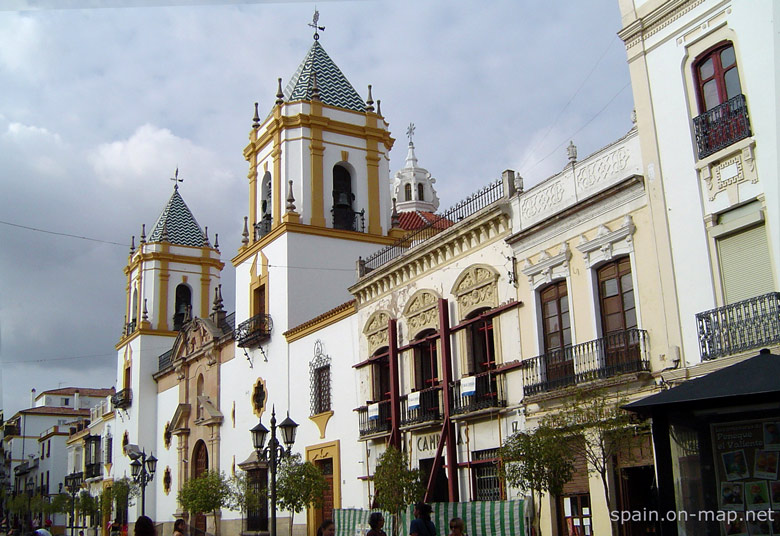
x=482 y=518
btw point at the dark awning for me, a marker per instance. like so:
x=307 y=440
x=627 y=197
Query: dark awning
x=757 y=376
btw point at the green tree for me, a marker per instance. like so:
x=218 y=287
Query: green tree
x=396 y=485
x=123 y=491
x=87 y=505
x=60 y=504
x=537 y=462
x=299 y=484
x=208 y=493
x=599 y=429
x=245 y=496
x=18 y=504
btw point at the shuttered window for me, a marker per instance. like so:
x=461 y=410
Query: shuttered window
x=745 y=266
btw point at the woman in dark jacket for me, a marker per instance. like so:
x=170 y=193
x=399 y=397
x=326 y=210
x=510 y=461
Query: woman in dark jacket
x=422 y=524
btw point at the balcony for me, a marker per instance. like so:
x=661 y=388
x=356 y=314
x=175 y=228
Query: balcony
x=254 y=331
x=348 y=219
x=263 y=227
x=130 y=327
x=427 y=409
x=93 y=470
x=619 y=353
x=374 y=423
x=122 y=399
x=721 y=126
x=739 y=327
x=486 y=392
x=164 y=361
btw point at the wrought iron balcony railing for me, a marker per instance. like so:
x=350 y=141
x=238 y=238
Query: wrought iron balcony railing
x=348 y=219
x=465 y=208
x=489 y=392
x=122 y=399
x=370 y=424
x=618 y=353
x=164 y=361
x=130 y=327
x=92 y=470
x=739 y=327
x=721 y=126
x=263 y=227
x=254 y=331
x=428 y=408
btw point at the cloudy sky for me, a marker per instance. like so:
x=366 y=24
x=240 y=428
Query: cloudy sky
x=98 y=106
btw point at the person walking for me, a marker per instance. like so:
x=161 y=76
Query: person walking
x=422 y=524
x=328 y=528
x=179 y=527
x=376 y=521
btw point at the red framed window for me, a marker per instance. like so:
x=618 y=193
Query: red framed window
x=717 y=76
x=483 y=352
x=381 y=376
x=426 y=368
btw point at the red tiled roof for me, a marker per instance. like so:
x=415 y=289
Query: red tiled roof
x=83 y=391
x=415 y=219
x=49 y=410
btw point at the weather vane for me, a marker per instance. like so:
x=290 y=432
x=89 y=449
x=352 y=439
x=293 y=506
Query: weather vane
x=314 y=22
x=176 y=179
x=410 y=132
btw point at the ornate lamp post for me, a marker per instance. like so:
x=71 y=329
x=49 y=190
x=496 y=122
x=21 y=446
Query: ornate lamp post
x=73 y=485
x=142 y=469
x=274 y=452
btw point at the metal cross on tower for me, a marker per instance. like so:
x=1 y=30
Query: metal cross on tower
x=314 y=22
x=410 y=132
x=176 y=180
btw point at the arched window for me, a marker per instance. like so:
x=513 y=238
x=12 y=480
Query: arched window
x=134 y=305
x=717 y=76
x=319 y=371
x=183 y=306
x=420 y=192
x=343 y=215
x=263 y=226
x=408 y=192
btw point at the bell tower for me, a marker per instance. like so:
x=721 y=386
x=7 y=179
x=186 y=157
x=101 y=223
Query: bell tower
x=171 y=276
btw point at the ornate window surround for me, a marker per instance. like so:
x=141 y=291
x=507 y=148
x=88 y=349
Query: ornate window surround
x=608 y=244
x=422 y=312
x=476 y=288
x=548 y=267
x=375 y=331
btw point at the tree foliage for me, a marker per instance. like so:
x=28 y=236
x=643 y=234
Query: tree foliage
x=537 y=461
x=60 y=503
x=396 y=486
x=299 y=484
x=18 y=504
x=208 y=493
x=602 y=429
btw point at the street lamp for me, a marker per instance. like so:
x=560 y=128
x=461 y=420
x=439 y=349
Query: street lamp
x=274 y=451
x=142 y=469
x=73 y=485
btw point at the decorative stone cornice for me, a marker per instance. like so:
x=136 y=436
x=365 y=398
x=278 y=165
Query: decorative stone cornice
x=656 y=21
x=449 y=245
x=608 y=243
x=548 y=266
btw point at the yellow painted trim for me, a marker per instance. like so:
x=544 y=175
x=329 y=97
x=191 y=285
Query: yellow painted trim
x=291 y=217
x=276 y=154
x=345 y=156
x=322 y=451
x=142 y=331
x=378 y=134
x=205 y=288
x=259 y=411
x=321 y=420
x=331 y=317
x=162 y=304
x=300 y=228
x=372 y=176
x=317 y=172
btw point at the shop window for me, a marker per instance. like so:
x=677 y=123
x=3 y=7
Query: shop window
x=575 y=515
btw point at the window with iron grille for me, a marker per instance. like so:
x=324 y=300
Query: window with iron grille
x=484 y=474
x=319 y=370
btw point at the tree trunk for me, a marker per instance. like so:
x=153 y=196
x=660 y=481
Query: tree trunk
x=537 y=512
x=613 y=524
x=292 y=515
x=216 y=527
